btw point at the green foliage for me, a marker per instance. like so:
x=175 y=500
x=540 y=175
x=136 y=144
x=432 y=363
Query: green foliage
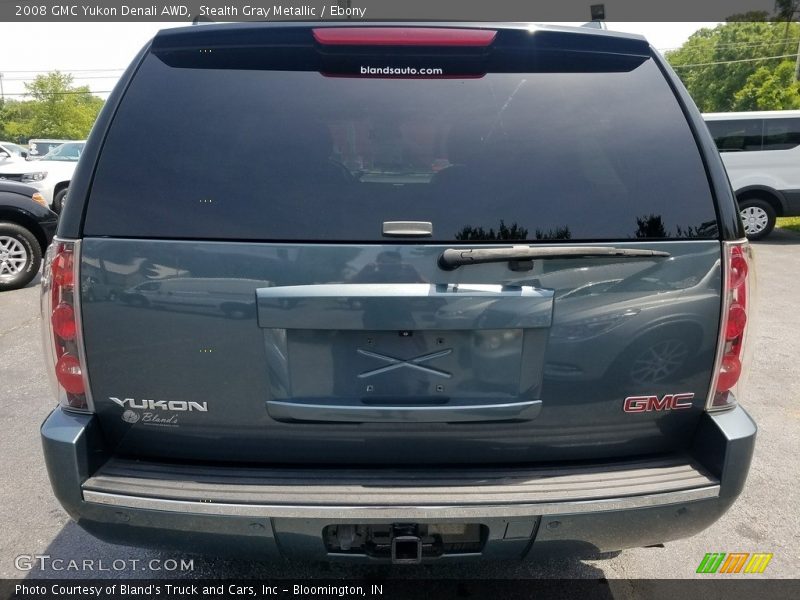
x=14 y=119
x=790 y=223
x=770 y=89
x=57 y=110
x=754 y=83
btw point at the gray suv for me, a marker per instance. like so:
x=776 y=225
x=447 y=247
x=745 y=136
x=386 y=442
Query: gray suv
x=456 y=290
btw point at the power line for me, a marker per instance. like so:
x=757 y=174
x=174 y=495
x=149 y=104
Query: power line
x=728 y=62
x=90 y=92
x=65 y=71
x=77 y=78
x=738 y=44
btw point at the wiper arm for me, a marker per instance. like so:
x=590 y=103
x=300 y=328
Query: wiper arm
x=452 y=258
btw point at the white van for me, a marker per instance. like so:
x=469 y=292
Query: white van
x=761 y=152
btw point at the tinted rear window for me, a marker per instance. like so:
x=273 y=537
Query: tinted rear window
x=738 y=135
x=781 y=134
x=297 y=155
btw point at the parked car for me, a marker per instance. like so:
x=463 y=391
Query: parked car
x=26 y=228
x=219 y=297
x=653 y=325
x=38 y=148
x=390 y=341
x=50 y=175
x=11 y=152
x=761 y=152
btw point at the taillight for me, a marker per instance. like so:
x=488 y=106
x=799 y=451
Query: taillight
x=61 y=327
x=736 y=308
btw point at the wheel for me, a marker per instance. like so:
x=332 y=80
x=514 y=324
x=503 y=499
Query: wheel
x=20 y=256
x=138 y=301
x=235 y=310
x=658 y=361
x=758 y=218
x=656 y=357
x=58 y=200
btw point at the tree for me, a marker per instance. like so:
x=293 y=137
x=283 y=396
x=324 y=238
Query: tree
x=504 y=232
x=15 y=119
x=728 y=67
x=58 y=110
x=650 y=226
x=62 y=111
x=769 y=89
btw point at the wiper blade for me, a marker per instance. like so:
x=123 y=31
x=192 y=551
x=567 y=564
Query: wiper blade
x=452 y=258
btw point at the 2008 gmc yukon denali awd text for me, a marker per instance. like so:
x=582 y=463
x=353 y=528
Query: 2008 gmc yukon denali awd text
x=451 y=290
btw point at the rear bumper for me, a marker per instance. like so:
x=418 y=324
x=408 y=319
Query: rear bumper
x=282 y=512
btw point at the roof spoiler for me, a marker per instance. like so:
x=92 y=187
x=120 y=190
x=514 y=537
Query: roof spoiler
x=300 y=35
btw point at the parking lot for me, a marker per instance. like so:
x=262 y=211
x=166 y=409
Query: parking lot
x=764 y=519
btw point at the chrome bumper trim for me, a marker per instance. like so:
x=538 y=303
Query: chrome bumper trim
x=366 y=513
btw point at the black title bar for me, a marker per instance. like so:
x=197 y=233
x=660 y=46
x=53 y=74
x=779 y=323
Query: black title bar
x=391 y=10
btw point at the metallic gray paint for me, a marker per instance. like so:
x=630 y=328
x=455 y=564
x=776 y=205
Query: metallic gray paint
x=179 y=321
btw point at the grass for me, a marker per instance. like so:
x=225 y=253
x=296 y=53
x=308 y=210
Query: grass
x=790 y=223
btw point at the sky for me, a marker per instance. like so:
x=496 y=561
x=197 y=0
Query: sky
x=97 y=53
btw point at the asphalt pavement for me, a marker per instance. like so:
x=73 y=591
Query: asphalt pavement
x=764 y=519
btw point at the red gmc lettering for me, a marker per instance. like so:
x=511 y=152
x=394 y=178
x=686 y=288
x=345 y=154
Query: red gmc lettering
x=637 y=404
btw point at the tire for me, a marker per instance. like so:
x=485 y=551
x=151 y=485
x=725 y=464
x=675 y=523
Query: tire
x=20 y=256
x=656 y=357
x=138 y=301
x=659 y=360
x=236 y=310
x=758 y=218
x=58 y=200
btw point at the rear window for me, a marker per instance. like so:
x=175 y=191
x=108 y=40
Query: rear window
x=781 y=134
x=297 y=155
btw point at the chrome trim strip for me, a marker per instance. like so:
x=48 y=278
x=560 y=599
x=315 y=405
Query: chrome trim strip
x=45 y=310
x=78 y=307
x=365 y=413
x=723 y=318
x=399 y=512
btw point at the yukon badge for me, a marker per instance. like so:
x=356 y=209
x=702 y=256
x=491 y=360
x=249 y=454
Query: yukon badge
x=171 y=405
x=638 y=404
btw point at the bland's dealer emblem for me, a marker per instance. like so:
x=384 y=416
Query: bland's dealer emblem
x=130 y=416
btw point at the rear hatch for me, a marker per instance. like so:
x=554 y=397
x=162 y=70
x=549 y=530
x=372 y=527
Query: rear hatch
x=399 y=246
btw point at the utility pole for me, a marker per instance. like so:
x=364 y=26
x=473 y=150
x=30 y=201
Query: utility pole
x=792 y=8
x=796 y=65
x=2 y=93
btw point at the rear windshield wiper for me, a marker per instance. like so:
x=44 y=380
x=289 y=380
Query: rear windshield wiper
x=452 y=258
